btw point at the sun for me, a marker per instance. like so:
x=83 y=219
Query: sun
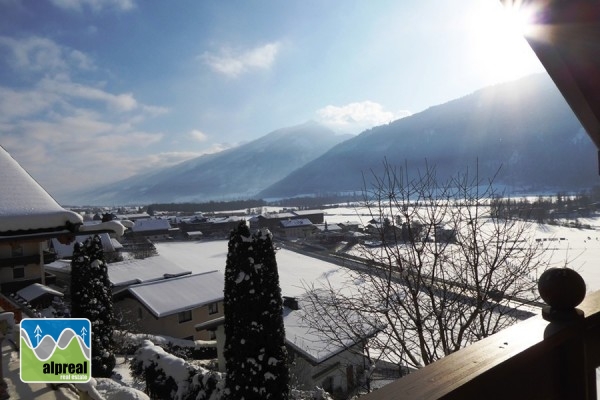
x=498 y=34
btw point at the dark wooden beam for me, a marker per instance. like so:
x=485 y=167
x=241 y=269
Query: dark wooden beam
x=565 y=36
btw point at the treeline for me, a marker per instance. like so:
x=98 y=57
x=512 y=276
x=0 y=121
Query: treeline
x=547 y=209
x=211 y=206
x=219 y=206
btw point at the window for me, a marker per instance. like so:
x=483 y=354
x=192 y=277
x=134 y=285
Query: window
x=185 y=316
x=18 y=272
x=140 y=315
x=16 y=250
x=212 y=335
x=213 y=308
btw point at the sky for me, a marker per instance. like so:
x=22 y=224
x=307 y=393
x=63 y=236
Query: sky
x=95 y=91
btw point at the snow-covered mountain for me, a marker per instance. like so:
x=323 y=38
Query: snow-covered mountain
x=525 y=127
x=239 y=172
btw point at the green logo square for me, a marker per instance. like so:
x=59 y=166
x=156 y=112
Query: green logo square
x=56 y=350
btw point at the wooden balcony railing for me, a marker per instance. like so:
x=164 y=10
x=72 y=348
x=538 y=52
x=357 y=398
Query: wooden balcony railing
x=48 y=257
x=534 y=359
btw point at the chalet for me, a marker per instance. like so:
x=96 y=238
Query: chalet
x=174 y=306
x=29 y=217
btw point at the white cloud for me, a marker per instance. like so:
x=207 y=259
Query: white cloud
x=235 y=63
x=42 y=55
x=95 y=5
x=14 y=104
x=198 y=135
x=118 y=102
x=33 y=54
x=66 y=133
x=356 y=117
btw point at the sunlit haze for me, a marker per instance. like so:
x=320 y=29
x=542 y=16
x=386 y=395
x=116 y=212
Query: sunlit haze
x=94 y=91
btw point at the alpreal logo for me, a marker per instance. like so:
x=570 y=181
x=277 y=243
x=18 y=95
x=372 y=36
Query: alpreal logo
x=56 y=350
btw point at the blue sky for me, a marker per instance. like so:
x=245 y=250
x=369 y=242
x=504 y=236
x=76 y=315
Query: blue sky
x=94 y=91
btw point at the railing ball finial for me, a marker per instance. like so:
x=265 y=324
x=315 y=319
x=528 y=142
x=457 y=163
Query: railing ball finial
x=562 y=289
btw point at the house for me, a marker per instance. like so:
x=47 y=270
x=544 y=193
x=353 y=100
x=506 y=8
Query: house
x=272 y=221
x=296 y=228
x=29 y=217
x=174 y=306
x=317 y=360
x=213 y=226
x=329 y=233
x=110 y=245
x=38 y=295
x=154 y=229
x=314 y=358
x=315 y=216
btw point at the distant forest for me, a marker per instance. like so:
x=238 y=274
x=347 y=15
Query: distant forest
x=543 y=209
x=321 y=201
x=550 y=209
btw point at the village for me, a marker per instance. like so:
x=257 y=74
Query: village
x=166 y=274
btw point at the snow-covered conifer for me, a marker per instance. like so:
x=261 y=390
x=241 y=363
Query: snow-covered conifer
x=91 y=298
x=255 y=351
x=275 y=366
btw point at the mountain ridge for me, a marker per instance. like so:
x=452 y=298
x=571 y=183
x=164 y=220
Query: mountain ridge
x=523 y=128
x=233 y=173
x=523 y=131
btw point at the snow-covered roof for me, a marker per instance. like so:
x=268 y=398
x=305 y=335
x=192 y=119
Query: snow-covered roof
x=138 y=271
x=278 y=215
x=25 y=205
x=328 y=227
x=142 y=225
x=294 y=223
x=314 y=345
x=183 y=293
x=307 y=212
x=223 y=220
x=36 y=290
x=66 y=250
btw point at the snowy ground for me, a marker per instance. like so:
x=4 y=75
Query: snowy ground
x=579 y=249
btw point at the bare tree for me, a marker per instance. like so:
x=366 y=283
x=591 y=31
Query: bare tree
x=448 y=272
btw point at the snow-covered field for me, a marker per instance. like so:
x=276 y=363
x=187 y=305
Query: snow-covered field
x=578 y=248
